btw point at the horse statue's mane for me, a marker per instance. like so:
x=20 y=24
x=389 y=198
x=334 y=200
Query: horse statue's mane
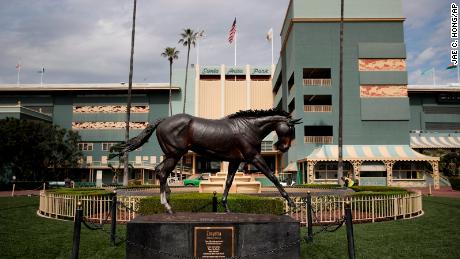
x=257 y=113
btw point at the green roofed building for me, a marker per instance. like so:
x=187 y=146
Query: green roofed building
x=376 y=107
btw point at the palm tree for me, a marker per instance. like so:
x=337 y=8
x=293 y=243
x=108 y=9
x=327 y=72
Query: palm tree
x=170 y=54
x=188 y=38
x=128 y=106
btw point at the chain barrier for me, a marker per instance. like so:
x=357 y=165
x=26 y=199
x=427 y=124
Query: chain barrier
x=130 y=208
x=338 y=224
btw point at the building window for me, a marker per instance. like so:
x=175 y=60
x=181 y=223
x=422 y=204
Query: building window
x=317 y=103
x=108 y=145
x=318 y=134
x=328 y=171
x=317 y=77
x=409 y=171
x=85 y=146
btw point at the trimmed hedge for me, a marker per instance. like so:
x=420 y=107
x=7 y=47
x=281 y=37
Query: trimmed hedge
x=376 y=194
x=81 y=191
x=455 y=183
x=378 y=189
x=202 y=202
x=319 y=186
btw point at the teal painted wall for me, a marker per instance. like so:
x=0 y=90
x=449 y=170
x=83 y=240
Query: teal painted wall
x=316 y=45
x=178 y=80
x=352 y=9
x=62 y=108
x=419 y=117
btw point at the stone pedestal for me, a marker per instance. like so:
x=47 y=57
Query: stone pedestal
x=213 y=235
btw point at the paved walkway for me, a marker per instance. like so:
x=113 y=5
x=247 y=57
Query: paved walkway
x=270 y=191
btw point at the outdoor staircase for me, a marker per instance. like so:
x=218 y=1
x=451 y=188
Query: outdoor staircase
x=241 y=184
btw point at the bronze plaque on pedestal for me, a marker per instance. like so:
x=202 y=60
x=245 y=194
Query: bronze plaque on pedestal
x=214 y=242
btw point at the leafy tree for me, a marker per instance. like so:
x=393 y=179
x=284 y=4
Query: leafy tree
x=451 y=162
x=170 y=54
x=29 y=149
x=188 y=38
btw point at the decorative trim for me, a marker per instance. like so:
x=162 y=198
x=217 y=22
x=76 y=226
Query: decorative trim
x=382 y=64
x=109 y=109
x=383 y=91
x=107 y=125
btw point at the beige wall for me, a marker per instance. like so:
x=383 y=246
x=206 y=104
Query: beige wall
x=235 y=96
x=261 y=95
x=218 y=98
x=210 y=99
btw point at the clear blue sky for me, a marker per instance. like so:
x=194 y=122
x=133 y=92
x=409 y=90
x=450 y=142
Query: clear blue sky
x=81 y=41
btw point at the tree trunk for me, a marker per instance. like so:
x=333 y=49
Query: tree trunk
x=128 y=106
x=186 y=74
x=170 y=79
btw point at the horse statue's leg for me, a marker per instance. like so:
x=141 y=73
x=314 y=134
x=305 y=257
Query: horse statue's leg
x=165 y=168
x=232 y=167
x=259 y=162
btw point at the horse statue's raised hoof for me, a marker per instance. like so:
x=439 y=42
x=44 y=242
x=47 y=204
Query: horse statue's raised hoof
x=169 y=209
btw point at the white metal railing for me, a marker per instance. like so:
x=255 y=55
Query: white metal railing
x=317 y=82
x=330 y=209
x=95 y=208
x=317 y=108
x=319 y=139
x=326 y=209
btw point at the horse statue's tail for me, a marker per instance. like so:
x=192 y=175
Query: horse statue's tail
x=134 y=143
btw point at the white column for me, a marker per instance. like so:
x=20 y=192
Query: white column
x=222 y=90
x=248 y=87
x=197 y=89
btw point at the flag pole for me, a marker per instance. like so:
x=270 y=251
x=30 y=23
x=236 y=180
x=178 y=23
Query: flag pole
x=272 y=47
x=19 y=70
x=236 y=38
x=41 y=77
x=198 y=51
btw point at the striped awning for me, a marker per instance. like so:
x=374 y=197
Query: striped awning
x=435 y=140
x=368 y=153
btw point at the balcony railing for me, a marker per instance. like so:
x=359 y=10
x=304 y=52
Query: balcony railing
x=319 y=139
x=317 y=82
x=317 y=108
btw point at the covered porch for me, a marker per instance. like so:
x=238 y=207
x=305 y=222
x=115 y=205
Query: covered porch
x=390 y=165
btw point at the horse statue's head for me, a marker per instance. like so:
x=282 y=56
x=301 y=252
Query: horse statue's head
x=285 y=132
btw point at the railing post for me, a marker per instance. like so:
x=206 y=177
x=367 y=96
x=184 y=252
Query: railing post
x=349 y=225
x=373 y=208
x=76 y=231
x=309 y=218
x=395 y=207
x=113 y=227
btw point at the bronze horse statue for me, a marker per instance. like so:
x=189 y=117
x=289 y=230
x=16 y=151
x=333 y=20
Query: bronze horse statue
x=235 y=138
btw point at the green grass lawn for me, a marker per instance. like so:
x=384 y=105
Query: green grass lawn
x=434 y=235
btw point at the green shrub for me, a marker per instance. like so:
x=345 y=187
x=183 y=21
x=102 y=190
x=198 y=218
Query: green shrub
x=141 y=187
x=202 y=202
x=455 y=183
x=135 y=183
x=319 y=186
x=80 y=191
x=377 y=194
x=379 y=189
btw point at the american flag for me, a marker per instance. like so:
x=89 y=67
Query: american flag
x=18 y=66
x=231 y=34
